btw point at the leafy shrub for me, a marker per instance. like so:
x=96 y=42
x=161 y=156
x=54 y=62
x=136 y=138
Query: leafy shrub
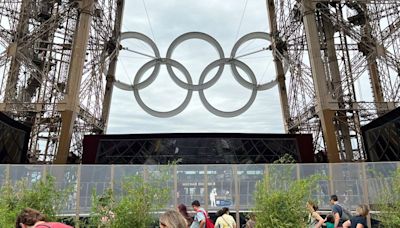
x=280 y=201
x=42 y=195
x=389 y=205
x=140 y=198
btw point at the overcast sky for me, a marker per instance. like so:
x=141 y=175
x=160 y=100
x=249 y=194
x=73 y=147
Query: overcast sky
x=221 y=20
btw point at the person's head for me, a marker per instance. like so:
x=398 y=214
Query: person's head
x=330 y=218
x=313 y=205
x=225 y=210
x=220 y=212
x=195 y=205
x=334 y=199
x=172 y=219
x=362 y=210
x=182 y=209
x=28 y=218
x=251 y=216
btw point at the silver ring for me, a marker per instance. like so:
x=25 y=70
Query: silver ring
x=158 y=62
x=201 y=86
x=238 y=77
x=200 y=36
x=150 y=42
x=246 y=69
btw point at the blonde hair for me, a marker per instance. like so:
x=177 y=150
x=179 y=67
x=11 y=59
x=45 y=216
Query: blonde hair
x=173 y=219
x=362 y=210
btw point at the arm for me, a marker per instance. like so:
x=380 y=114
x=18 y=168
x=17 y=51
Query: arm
x=320 y=223
x=347 y=224
x=203 y=223
x=317 y=217
x=337 y=218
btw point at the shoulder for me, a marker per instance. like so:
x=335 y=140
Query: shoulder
x=359 y=219
x=200 y=215
x=336 y=208
x=53 y=225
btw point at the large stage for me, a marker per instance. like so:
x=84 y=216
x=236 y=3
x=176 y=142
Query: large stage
x=195 y=148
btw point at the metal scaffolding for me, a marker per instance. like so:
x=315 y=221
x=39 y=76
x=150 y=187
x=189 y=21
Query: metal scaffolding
x=54 y=69
x=58 y=61
x=333 y=48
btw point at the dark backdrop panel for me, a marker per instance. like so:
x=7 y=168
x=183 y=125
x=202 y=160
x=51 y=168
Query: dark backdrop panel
x=195 y=148
x=14 y=138
x=382 y=137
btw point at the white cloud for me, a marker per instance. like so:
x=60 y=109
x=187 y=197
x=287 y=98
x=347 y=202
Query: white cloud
x=169 y=19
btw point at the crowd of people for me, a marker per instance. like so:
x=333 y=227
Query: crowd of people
x=180 y=218
x=339 y=217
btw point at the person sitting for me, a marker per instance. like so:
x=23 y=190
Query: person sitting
x=31 y=218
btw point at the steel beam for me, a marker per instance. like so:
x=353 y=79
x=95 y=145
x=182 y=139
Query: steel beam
x=325 y=110
x=74 y=79
x=280 y=74
x=112 y=67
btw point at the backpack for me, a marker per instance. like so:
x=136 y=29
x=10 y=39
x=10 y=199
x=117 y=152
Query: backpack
x=209 y=223
x=346 y=214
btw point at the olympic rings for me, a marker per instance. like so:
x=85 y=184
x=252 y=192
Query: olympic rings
x=246 y=69
x=156 y=62
x=208 y=39
x=201 y=86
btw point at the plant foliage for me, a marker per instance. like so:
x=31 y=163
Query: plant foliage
x=42 y=195
x=280 y=199
x=389 y=215
x=140 y=197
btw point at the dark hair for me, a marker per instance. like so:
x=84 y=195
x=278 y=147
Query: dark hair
x=29 y=217
x=196 y=203
x=220 y=212
x=334 y=197
x=330 y=218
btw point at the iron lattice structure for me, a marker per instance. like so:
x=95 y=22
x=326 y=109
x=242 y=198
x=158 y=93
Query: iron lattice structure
x=56 y=56
x=335 y=48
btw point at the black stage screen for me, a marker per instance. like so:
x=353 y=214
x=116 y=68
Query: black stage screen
x=14 y=138
x=195 y=148
x=382 y=137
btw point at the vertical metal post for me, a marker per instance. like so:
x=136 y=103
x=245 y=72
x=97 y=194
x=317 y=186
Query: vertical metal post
x=8 y=174
x=113 y=65
x=175 y=173
x=298 y=171
x=280 y=74
x=325 y=108
x=112 y=177
x=366 y=190
x=78 y=194
x=237 y=194
x=69 y=114
x=205 y=188
x=330 y=173
x=343 y=125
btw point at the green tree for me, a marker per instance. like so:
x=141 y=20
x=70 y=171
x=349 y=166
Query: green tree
x=139 y=199
x=42 y=195
x=389 y=205
x=280 y=200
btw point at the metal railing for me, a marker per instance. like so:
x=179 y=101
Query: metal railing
x=354 y=183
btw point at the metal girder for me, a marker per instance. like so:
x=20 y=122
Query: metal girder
x=43 y=54
x=352 y=40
